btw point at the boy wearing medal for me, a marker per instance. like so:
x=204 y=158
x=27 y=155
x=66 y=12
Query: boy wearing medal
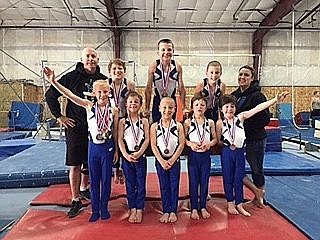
x=200 y=137
x=103 y=123
x=167 y=143
x=166 y=75
x=213 y=89
x=233 y=152
x=133 y=141
x=119 y=88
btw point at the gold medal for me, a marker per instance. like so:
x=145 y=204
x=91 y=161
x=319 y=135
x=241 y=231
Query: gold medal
x=136 y=148
x=166 y=151
x=164 y=94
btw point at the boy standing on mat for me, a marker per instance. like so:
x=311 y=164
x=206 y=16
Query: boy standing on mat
x=166 y=75
x=133 y=142
x=200 y=137
x=119 y=89
x=103 y=149
x=233 y=152
x=167 y=143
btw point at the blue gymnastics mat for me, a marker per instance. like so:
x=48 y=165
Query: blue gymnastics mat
x=44 y=164
x=14 y=135
x=11 y=147
x=40 y=165
x=297 y=199
x=279 y=163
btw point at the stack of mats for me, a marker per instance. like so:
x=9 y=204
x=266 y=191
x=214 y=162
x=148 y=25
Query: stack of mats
x=273 y=136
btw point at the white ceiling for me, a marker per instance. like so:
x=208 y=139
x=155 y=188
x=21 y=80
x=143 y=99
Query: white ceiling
x=136 y=14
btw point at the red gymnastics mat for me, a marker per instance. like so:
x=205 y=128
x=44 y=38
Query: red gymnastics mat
x=264 y=223
x=60 y=194
x=54 y=224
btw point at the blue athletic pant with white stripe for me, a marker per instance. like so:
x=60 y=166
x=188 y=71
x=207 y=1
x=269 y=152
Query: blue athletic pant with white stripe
x=100 y=173
x=233 y=170
x=199 y=171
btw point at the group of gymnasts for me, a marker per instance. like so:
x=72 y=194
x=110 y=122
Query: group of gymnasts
x=119 y=129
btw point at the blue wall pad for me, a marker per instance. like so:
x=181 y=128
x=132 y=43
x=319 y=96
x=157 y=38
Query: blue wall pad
x=279 y=163
x=25 y=116
x=304 y=193
x=284 y=114
x=11 y=147
x=284 y=111
x=40 y=165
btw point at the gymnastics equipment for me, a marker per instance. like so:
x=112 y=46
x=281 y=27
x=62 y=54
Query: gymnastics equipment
x=317 y=129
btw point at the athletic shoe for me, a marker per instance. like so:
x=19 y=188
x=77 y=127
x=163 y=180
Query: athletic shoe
x=75 y=209
x=85 y=194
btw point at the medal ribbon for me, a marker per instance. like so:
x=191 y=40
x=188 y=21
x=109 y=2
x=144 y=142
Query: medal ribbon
x=102 y=118
x=115 y=94
x=231 y=132
x=134 y=133
x=165 y=77
x=212 y=95
x=167 y=137
x=200 y=137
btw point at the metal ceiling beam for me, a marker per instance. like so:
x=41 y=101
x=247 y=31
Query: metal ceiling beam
x=115 y=23
x=313 y=11
x=164 y=28
x=283 y=8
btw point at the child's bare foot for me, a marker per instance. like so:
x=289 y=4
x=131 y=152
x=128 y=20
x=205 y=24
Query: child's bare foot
x=205 y=214
x=132 y=217
x=195 y=214
x=259 y=198
x=121 y=176
x=164 y=218
x=115 y=177
x=139 y=216
x=242 y=210
x=232 y=209
x=172 y=217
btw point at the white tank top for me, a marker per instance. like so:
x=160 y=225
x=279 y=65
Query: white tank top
x=165 y=79
x=233 y=134
x=93 y=123
x=167 y=141
x=199 y=133
x=131 y=137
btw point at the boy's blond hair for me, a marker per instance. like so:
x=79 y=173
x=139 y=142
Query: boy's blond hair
x=100 y=83
x=168 y=99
